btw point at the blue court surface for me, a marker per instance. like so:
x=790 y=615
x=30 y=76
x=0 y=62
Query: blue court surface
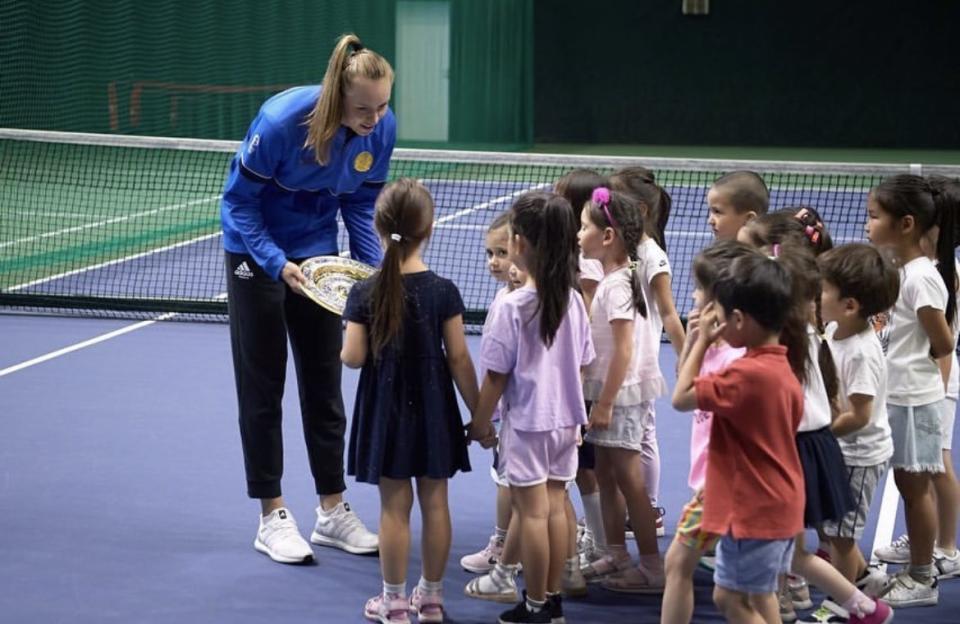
x=123 y=496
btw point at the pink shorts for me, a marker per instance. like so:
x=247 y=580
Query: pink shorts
x=534 y=457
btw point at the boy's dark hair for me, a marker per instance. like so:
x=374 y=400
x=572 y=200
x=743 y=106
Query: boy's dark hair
x=746 y=191
x=762 y=288
x=862 y=272
x=714 y=261
x=758 y=287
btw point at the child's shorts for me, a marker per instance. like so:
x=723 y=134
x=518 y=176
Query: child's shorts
x=689 y=532
x=498 y=478
x=626 y=428
x=863 y=482
x=947 y=420
x=917 y=437
x=534 y=457
x=752 y=566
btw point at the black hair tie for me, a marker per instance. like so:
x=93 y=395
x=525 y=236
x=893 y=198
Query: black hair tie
x=356 y=47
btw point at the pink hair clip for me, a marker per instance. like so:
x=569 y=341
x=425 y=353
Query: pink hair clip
x=601 y=197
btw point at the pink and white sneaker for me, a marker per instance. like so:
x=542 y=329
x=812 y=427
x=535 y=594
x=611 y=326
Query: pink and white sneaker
x=389 y=609
x=427 y=606
x=483 y=561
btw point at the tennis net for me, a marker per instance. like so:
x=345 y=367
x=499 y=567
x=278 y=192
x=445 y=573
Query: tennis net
x=129 y=227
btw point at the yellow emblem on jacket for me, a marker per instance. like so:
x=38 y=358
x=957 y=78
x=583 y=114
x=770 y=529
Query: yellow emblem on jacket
x=363 y=162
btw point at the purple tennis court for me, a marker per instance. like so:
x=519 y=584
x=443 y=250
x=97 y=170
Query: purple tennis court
x=123 y=493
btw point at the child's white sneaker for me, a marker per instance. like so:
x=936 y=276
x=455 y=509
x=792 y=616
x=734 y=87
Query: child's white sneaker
x=905 y=591
x=897 y=551
x=947 y=566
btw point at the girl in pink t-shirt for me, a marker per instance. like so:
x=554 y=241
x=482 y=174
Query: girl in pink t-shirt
x=690 y=542
x=610 y=229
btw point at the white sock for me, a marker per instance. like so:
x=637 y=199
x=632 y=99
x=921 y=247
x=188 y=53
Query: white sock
x=594 y=518
x=430 y=587
x=399 y=589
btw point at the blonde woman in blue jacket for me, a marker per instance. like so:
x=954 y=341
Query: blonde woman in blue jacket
x=312 y=152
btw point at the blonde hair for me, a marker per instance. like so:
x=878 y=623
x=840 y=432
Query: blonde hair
x=349 y=60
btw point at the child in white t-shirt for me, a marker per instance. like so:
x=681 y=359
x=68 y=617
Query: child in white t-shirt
x=858 y=282
x=946 y=558
x=611 y=227
x=899 y=212
x=655 y=278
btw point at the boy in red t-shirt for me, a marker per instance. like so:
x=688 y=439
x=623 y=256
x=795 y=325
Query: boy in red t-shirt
x=754 y=495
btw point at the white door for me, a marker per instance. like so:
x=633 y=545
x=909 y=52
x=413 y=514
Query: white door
x=422 y=89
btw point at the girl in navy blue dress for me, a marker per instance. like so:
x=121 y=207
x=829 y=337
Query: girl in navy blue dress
x=405 y=328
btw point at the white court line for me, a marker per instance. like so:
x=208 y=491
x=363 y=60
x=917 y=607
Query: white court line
x=92 y=341
x=92 y=267
x=82 y=345
x=886 y=520
x=97 y=224
x=487 y=204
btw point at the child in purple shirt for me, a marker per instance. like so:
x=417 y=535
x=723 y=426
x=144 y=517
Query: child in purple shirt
x=538 y=341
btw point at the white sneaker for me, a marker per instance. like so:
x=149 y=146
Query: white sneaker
x=896 y=552
x=279 y=538
x=587 y=549
x=947 y=567
x=872 y=583
x=342 y=528
x=904 y=591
